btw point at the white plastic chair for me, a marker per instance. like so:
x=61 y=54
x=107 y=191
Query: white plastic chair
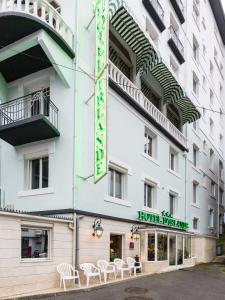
x=106 y=268
x=121 y=267
x=131 y=263
x=90 y=270
x=67 y=272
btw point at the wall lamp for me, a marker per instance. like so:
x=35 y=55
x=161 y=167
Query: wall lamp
x=135 y=232
x=98 y=230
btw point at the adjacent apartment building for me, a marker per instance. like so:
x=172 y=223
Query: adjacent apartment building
x=162 y=87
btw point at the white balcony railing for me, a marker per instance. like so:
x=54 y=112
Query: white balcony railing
x=42 y=10
x=118 y=77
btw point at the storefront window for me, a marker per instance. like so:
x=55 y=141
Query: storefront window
x=151 y=247
x=179 y=249
x=162 y=246
x=34 y=243
x=187 y=249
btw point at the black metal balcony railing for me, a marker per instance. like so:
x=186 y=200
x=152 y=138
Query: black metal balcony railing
x=176 y=40
x=158 y=8
x=181 y=5
x=156 y=11
x=29 y=106
x=28 y=119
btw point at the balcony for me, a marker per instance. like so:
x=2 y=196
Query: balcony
x=126 y=89
x=29 y=119
x=176 y=45
x=156 y=11
x=29 y=16
x=179 y=9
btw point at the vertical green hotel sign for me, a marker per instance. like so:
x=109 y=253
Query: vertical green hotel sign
x=101 y=89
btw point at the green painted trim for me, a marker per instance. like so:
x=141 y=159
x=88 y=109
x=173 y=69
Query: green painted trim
x=61 y=61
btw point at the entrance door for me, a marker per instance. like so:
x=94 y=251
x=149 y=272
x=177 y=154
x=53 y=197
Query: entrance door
x=116 y=246
x=172 y=249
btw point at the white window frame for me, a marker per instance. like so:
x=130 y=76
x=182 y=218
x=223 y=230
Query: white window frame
x=213 y=189
x=149 y=134
x=154 y=194
x=37 y=226
x=195 y=156
x=198 y=221
x=116 y=169
x=173 y=153
x=175 y=202
x=29 y=173
x=211 y=217
x=195 y=196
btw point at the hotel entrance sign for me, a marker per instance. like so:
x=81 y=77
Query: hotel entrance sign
x=165 y=218
x=101 y=89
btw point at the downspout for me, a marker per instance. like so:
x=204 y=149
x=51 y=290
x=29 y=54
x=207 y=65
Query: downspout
x=218 y=203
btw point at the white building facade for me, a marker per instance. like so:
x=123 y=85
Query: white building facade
x=165 y=121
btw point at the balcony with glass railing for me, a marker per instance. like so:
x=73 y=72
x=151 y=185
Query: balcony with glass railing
x=155 y=10
x=30 y=118
x=176 y=45
x=136 y=98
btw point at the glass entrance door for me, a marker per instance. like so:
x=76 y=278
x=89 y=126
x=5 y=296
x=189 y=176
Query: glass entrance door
x=172 y=249
x=116 y=245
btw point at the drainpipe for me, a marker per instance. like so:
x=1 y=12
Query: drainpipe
x=218 y=203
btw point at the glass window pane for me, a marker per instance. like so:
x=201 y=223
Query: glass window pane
x=111 y=188
x=44 y=172
x=162 y=246
x=34 y=242
x=149 y=199
x=35 y=174
x=187 y=249
x=172 y=205
x=151 y=247
x=118 y=183
x=179 y=249
x=172 y=250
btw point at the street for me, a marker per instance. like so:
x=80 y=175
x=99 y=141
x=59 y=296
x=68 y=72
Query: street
x=205 y=281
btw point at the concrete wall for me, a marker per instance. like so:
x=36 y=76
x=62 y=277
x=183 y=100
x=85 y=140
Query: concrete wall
x=91 y=248
x=17 y=276
x=203 y=248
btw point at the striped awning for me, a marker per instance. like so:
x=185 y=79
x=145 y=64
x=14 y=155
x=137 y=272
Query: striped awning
x=148 y=60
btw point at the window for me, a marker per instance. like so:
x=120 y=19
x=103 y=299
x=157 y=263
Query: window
x=174 y=65
x=221 y=196
x=151 y=247
x=195 y=125
x=195 y=189
x=116 y=180
x=203 y=82
x=56 y=6
x=195 y=223
x=34 y=242
x=211 y=97
x=162 y=246
x=211 y=154
x=220 y=169
x=211 y=218
x=172 y=208
x=213 y=189
x=203 y=23
x=195 y=84
x=149 y=195
x=204 y=50
x=215 y=55
x=196 y=8
x=195 y=156
x=211 y=68
x=150 y=143
x=211 y=125
x=38 y=173
x=195 y=49
x=204 y=145
x=187 y=247
x=173 y=160
x=221 y=141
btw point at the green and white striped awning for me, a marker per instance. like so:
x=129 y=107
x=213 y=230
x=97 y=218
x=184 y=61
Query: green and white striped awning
x=148 y=60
